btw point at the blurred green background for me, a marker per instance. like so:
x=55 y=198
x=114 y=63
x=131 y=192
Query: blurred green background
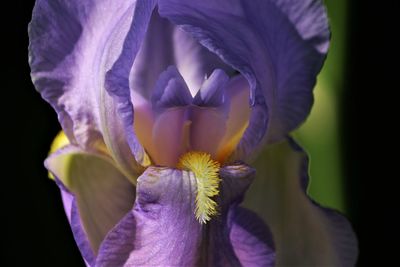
x=320 y=134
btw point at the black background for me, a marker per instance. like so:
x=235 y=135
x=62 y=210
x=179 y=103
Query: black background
x=34 y=230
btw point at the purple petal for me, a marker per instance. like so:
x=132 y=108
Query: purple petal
x=155 y=54
x=162 y=230
x=54 y=31
x=251 y=241
x=117 y=78
x=218 y=128
x=211 y=93
x=163 y=125
x=278 y=45
x=194 y=61
x=72 y=44
x=250 y=238
x=165 y=45
x=95 y=193
x=170 y=90
x=168 y=137
x=304 y=233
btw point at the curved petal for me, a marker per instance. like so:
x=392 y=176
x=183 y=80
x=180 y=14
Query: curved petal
x=162 y=230
x=304 y=233
x=194 y=61
x=251 y=241
x=117 y=78
x=211 y=93
x=250 y=238
x=278 y=45
x=170 y=132
x=170 y=90
x=219 y=127
x=165 y=44
x=72 y=45
x=96 y=195
x=156 y=53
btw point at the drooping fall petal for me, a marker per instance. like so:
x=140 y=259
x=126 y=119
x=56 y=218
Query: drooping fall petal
x=95 y=193
x=305 y=234
x=162 y=231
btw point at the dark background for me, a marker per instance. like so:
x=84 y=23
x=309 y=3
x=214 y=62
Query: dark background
x=36 y=232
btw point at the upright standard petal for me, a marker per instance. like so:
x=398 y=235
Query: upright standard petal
x=209 y=114
x=96 y=195
x=170 y=91
x=166 y=232
x=305 y=234
x=72 y=45
x=166 y=44
x=278 y=45
x=211 y=93
x=156 y=53
x=195 y=62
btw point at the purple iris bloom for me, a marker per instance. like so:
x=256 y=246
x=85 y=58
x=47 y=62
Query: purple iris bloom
x=162 y=103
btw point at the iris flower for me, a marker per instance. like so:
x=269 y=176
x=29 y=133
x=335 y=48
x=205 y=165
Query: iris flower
x=170 y=110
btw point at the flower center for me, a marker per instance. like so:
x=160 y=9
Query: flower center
x=174 y=122
x=205 y=170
